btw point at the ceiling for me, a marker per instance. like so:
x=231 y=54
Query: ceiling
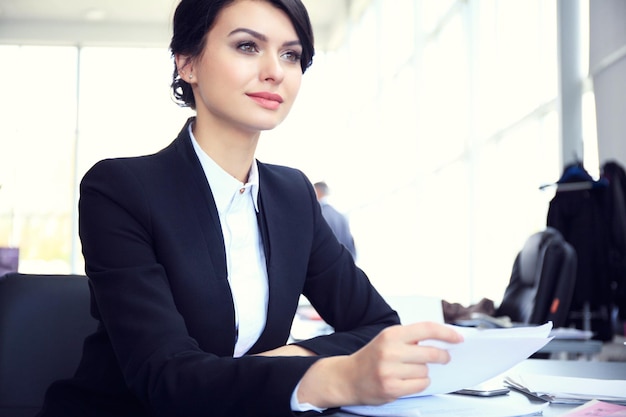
x=135 y=22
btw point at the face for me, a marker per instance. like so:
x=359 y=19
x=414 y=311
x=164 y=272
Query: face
x=249 y=73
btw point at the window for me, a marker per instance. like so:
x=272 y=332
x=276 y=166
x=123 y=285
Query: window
x=72 y=107
x=434 y=124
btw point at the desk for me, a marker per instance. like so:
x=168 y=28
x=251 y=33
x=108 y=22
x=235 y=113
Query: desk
x=578 y=369
x=570 y=349
x=585 y=369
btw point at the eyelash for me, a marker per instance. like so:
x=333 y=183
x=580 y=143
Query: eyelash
x=247 y=47
x=250 y=47
x=295 y=57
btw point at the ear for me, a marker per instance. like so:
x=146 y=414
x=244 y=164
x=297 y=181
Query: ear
x=184 y=65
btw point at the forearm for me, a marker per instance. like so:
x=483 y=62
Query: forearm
x=392 y=365
x=348 y=380
x=325 y=385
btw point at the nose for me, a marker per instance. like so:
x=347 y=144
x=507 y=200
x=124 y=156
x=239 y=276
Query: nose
x=271 y=69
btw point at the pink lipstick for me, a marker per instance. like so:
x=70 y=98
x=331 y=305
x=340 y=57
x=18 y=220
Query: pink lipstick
x=266 y=100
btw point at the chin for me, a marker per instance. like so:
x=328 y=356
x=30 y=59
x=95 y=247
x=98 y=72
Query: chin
x=266 y=124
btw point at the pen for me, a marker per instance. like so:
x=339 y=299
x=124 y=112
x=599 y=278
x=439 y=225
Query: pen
x=525 y=391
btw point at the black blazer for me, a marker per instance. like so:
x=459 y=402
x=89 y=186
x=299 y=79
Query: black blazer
x=155 y=259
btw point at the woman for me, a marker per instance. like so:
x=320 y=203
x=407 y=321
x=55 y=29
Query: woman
x=197 y=255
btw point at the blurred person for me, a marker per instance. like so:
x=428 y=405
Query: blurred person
x=337 y=221
x=197 y=255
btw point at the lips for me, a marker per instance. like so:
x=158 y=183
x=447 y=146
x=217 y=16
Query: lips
x=267 y=96
x=267 y=100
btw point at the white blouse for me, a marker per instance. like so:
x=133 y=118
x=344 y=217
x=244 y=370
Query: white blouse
x=237 y=205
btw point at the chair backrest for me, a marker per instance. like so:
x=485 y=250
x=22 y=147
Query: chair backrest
x=542 y=281
x=43 y=322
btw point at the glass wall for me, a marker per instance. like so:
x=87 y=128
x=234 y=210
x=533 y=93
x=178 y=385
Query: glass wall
x=37 y=151
x=65 y=108
x=438 y=125
x=434 y=124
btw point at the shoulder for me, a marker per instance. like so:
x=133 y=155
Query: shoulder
x=329 y=209
x=281 y=174
x=289 y=180
x=118 y=172
x=150 y=166
x=288 y=187
x=147 y=179
x=164 y=162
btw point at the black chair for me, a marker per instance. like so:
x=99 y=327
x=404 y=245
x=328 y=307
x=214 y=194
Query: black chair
x=542 y=281
x=43 y=322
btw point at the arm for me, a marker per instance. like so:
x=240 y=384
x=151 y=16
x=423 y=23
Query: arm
x=341 y=293
x=373 y=360
x=392 y=365
x=306 y=258
x=136 y=268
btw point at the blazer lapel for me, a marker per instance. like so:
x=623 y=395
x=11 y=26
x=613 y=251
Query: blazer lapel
x=285 y=285
x=205 y=207
x=215 y=298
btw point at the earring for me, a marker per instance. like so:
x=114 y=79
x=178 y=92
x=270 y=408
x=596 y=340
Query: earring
x=190 y=76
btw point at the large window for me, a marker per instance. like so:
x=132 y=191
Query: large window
x=434 y=124
x=63 y=109
x=435 y=139
x=37 y=152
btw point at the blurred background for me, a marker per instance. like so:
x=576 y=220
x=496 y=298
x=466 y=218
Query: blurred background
x=434 y=122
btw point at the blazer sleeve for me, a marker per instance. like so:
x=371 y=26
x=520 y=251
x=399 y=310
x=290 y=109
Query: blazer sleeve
x=340 y=291
x=162 y=365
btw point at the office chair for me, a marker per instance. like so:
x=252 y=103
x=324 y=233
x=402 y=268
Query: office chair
x=542 y=281
x=43 y=322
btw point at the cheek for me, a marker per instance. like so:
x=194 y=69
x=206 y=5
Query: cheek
x=220 y=83
x=292 y=88
x=228 y=75
x=223 y=70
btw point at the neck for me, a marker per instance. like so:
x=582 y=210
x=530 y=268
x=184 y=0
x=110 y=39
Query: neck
x=231 y=150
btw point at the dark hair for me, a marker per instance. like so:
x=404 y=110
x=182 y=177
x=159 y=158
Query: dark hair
x=194 y=18
x=322 y=187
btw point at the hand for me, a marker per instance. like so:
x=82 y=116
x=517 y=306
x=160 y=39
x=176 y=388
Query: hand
x=391 y=365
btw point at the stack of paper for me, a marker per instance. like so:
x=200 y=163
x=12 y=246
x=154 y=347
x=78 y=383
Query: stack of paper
x=569 y=390
x=447 y=405
x=483 y=355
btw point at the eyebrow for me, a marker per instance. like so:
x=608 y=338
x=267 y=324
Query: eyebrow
x=261 y=37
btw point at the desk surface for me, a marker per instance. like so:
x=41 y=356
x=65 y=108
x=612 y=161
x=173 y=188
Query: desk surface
x=581 y=369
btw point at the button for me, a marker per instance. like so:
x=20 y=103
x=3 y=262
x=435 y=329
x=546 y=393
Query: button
x=242 y=190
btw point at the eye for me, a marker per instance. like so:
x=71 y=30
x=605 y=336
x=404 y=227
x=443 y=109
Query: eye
x=248 y=47
x=291 y=56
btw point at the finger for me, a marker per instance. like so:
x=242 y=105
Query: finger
x=408 y=386
x=416 y=354
x=415 y=386
x=427 y=354
x=419 y=331
x=411 y=370
x=404 y=383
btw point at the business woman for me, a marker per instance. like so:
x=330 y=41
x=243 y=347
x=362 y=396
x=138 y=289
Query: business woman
x=197 y=255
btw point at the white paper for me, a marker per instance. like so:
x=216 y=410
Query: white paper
x=483 y=355
x=452 y=405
